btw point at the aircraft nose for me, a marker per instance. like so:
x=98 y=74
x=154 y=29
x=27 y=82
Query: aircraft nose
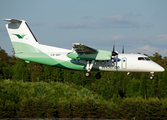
x=159 y=69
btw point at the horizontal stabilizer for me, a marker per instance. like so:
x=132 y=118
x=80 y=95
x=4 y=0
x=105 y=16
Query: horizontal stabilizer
x=12 y=20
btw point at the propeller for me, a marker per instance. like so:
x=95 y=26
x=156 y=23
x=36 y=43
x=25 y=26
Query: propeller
x=114 y=53
x=116 y=61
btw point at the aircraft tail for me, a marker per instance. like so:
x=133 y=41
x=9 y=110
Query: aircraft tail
x=21 y=36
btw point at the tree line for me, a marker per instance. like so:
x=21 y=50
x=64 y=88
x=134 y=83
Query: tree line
x=67 y=100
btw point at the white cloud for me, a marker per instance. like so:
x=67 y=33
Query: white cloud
x=118 y=21
x=147 y=44
x=118 y=37
x=73 y=25
x=131 y=14
x=162 y=37
x=88 y=17
x=145 y=49
x=35 y=24
x=115 y=21
x=117 y=18
x=163 y=52
x=115 y=37
x=156 y=14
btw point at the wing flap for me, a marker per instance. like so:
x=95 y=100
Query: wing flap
x=80 y=48
x=83 y=52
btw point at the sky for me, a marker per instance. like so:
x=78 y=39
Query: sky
x=139 y=25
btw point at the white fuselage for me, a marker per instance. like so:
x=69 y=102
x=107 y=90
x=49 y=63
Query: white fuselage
x=124 y=63
x=130 y=63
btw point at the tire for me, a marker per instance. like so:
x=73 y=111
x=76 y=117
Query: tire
x=98 y=76
x=87 y=74
x=151 y=77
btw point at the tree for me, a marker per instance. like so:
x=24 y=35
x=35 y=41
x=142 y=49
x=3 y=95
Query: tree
x=20 y=70
x=34 y=70
x=4 y=56
x=157 y=58
x=45 y=74
x=133 y=88
x=143 y=87
x=163 y=85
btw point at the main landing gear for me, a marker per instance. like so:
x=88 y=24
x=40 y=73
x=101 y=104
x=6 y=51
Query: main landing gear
x=87 y=74
x=97 y=76
x=89 y=67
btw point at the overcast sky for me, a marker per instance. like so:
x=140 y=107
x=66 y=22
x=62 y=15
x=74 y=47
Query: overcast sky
x=141 y=25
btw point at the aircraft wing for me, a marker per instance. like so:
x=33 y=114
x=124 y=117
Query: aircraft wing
x=83 y=52
x=80 y=48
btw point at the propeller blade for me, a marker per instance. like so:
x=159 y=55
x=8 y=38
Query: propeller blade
x=123 y=49
x=113 y=47
x=116 y=62
x=114 y=53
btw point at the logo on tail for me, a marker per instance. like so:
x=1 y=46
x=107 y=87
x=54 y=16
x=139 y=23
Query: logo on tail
x=20 y=36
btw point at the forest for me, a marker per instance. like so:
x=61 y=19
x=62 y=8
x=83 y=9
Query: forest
x=32 y=90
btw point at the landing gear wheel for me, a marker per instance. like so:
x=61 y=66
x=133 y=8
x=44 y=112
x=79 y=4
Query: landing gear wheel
x=98 y=76
x=151 y=77
x=87 y=74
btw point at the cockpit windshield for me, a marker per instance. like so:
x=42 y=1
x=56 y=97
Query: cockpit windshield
x=144 y=58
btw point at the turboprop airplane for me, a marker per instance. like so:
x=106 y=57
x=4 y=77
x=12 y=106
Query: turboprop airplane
x=81 y=57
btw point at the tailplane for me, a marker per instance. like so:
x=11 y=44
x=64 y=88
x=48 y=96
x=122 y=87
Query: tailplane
x=21 y=37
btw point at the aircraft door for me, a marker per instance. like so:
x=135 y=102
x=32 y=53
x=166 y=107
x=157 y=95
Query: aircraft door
x=124 y=63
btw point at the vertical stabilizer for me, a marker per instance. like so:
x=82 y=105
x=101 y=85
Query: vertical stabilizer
x=21 y=37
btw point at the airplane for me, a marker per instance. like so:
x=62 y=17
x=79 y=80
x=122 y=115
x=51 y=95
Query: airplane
x=80 y=57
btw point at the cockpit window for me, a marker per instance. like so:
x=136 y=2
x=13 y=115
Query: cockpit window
x=140 y=58
x=144 y=58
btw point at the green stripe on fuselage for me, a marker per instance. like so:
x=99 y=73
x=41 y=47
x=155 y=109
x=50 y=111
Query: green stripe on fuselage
x=38 y=58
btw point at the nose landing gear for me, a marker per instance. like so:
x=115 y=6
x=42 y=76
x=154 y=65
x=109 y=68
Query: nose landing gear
x=152 y=76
